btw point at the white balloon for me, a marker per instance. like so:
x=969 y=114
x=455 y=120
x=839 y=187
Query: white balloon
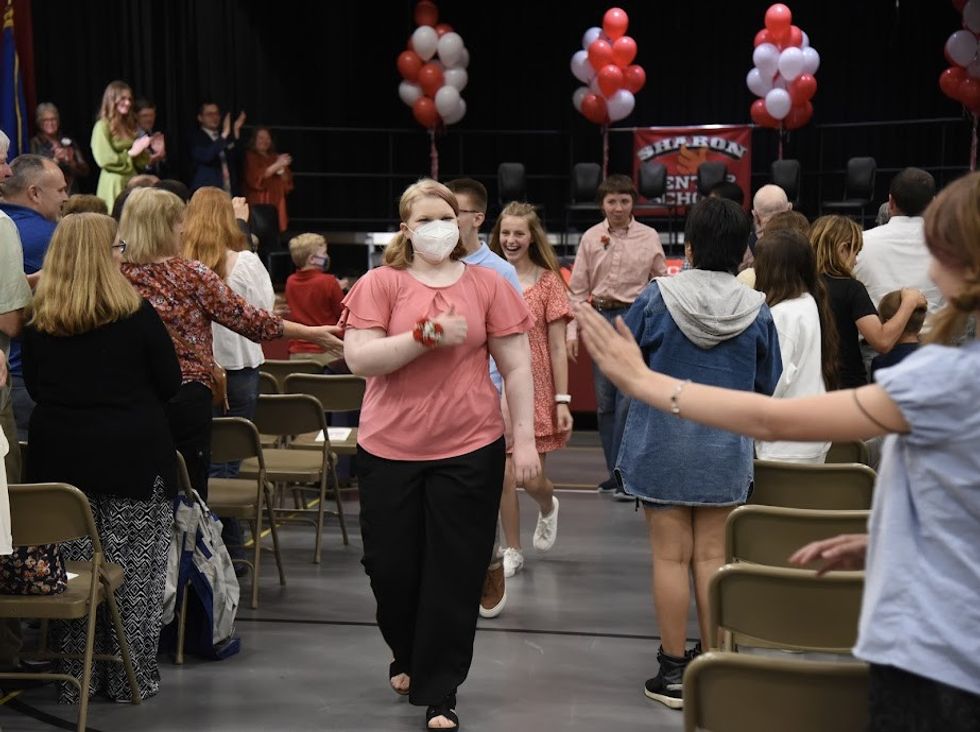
x=456 y=77
x=778 y=103
x=457 y=114
x=450 y=48
x=589 y=36
x=581 y=68
x=578 y=96
x=791 y=63
x=447 y=99
x=961 y=47
x=806 y=40
x=811 y=60
x=465 y=60
x=971 y=15
x=594 y=86
x=757 y=83
x=620 y=105
x=409 y=92
x=766 y=59
x=425 y=41
x=974 y=68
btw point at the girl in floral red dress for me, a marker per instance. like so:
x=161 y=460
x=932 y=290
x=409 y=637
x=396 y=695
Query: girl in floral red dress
x=519 y=237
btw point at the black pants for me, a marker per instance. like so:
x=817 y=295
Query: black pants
x=904 y=702
x=189 y=414
x=428 y=527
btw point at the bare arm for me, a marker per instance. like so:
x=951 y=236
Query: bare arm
x=324 y=335
x=838 y=415
x=883 y=336
x=559 y=369
x=513 y=356
x=12 y=322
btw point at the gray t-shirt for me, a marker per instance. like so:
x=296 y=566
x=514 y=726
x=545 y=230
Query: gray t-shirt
x=15 y=293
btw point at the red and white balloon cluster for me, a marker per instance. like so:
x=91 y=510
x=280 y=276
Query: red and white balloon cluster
x=605 y=64
x=433 y=70
x=785 y=63
x=961 y=81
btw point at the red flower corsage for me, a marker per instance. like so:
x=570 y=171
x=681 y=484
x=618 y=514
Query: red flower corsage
x=605 y=241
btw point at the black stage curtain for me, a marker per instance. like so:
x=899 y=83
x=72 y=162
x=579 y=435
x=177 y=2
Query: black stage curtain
x=333 y=64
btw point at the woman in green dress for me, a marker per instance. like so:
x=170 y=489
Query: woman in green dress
x=114 y=145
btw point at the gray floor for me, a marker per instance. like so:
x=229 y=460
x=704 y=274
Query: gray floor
x=570 y=651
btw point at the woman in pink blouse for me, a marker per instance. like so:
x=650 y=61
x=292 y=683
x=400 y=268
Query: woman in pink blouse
x=188 y=297
x=430 y=455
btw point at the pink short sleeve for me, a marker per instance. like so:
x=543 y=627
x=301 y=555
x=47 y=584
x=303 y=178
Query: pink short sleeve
x=507 y=312
x=370 y=300
x=556 y=305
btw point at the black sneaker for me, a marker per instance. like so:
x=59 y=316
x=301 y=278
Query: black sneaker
x=691 y=653
x=607 y=486
x=667 y=687
x=620 y=495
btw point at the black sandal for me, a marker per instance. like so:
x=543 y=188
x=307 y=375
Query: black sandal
x=444 y=709
x=395 y=669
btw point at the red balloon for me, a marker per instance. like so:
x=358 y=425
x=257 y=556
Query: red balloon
x=611 y=79
x=600 y=54
x=624 y=51
x=430 y=78
x=760 y=116
x=594 y=109
x=635 y=78
x=950 y=80
x=426 y=13
x=615 y=22
x=443 y=28
x=969 y=94
x=409 y=64
x=761 y=37
x=798 y=116
x=425 y=112
x=778 y=19
x=795 y=37
x=802 y=89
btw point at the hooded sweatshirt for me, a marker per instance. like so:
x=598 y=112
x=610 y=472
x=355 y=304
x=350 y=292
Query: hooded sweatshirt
x=709 y=307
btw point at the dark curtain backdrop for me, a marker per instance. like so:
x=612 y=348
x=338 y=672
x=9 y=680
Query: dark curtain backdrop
x=308 y=64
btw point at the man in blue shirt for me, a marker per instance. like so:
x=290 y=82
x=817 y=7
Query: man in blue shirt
x=472 y=198
x=32 y=198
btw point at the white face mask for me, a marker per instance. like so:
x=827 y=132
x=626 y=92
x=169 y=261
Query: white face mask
x=435 y=240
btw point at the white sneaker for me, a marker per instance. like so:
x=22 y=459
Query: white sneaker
x=513 y=561
x=546 y=531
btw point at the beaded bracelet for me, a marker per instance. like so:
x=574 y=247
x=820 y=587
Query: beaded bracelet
x=675 y=408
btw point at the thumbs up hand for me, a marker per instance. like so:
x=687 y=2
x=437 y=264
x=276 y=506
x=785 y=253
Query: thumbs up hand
x=453 y=327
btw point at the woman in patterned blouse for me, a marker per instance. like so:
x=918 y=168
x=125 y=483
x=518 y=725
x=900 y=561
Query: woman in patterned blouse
x=188 y=296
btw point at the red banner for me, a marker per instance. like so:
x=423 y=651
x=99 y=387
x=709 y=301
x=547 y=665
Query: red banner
x=682 y=149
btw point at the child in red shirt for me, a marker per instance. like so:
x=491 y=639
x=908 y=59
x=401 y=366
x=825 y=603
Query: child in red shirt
x=313 y=296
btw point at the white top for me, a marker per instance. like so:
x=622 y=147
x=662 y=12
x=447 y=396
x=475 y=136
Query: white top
x=798 y=327
x=895 y=256
x=5 y=538
x=249 y=279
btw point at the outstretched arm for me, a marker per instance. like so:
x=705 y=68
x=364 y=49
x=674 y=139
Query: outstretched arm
x=841 y=415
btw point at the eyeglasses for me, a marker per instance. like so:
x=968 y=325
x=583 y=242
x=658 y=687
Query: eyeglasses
x=121 y=246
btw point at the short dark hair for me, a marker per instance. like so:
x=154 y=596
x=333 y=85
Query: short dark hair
x=616 y=183
x=472 y=188
x=912 y=189
x=176 y=187
x=890 y=304
x=730 y=190
x=791 y=220
x=717 y=231
x=143 y=103
x=207 y=103
x=24 y=172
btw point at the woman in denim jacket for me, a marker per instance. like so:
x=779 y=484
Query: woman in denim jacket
x=704 y=326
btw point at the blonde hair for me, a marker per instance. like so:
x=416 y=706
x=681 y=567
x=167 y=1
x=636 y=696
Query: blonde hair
x=826 y=235
x=303 y=246
x=82 y=288
x=399 y=253
x=210 y=229
x=118 y=126
x=147 y=225
x=952 y=228
x=540 y=251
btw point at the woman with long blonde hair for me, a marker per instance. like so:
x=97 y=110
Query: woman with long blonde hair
x=101 y=366
x=520 y=238
x=115 y=147
x=837 y=240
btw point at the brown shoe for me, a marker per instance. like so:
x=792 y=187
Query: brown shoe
x=494 y=591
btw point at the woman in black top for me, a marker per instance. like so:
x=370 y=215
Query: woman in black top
x=837 y=241
x=101 y=366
